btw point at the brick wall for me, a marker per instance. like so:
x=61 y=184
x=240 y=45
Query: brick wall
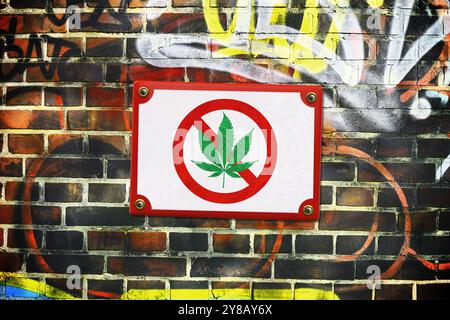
x=65 y=146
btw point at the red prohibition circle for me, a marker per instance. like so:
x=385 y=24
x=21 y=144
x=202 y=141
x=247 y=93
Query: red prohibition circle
x=257 y=183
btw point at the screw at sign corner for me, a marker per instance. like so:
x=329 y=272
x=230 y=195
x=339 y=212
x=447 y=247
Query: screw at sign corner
x=139 y=204
x=308 y=210
x=143 y=91
x=311 y=97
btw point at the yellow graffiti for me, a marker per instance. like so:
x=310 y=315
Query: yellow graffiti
x=375 y=3
x=299 y=52
x=43 y=289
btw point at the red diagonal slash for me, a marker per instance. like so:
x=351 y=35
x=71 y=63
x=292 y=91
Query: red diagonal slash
x=246 y=174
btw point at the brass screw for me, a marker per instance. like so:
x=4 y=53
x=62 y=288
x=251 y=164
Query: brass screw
x=311 y=97
x=308 y=210
x=139 y=204
x=143 y=91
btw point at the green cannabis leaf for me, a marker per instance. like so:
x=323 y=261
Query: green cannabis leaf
x=225 y=159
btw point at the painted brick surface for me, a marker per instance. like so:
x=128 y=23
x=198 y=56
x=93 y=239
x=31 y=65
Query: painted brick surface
x=65 y=123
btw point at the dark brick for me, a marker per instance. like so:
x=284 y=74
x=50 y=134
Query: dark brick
x=66 y=72
x=434 y=291
x=63 y=192
x=23 y=4
x=65 y=144
x=231 y=243
x=103 y=145
x=118 y=169
x=444 y=221
x=25 y=191
x=104 y=47
x=402 y=172
x=387 y=197
x=194 y=23
x=189 y=223
x=99 y=120
x=38 y=215
x=433 y=197
x=24 y=96
x=326 y=195
x=61 y=96
x=145 y=284
x=105 y=289
x=179 y=284
x=394 y=292
x=350 y=244
x=353 y=292
x=273 y=243
x=433 y=148
x=102 y=192
x=147 y=266
x=391 y=245
x=434 y=245
x=70 y=168
x=274 y=225
x=1 y=237
x=394 y=147
x=106 y=240
x=58 y=263
x=105 y=97
x=314 y=269
x=356 y=220
x=10 y=167
x=105 y=22
x=421 y=222
x=131 y=48
x=64 y=240
x=337 y=171
x=307 y=244
x=10 y=262
x=230 y=267
x=61 y=284
x=410 y=270
x=101 y=216
x=26 y=119
x=21 y=238
x=188 y=241
x=146 y=241
x=354 y=196
x=365 y=145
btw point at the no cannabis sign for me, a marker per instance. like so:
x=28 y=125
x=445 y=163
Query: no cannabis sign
x=247 y=151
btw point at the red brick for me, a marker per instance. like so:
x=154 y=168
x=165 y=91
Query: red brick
x=11 y=167
x=106 y=240
x=70 y=168
x=147 y=266
x=25 y=191
x=10 y=262
x=60 y=47
x=105 y=97
x=25 y=119
x=147 y=72
x=146 y=241
x=26 y=143
x=231 y=243
x=11 y=72
x=25 y=96
x=104 y=47
x=1 y=237
x=65 y=144
x=99 y=120
x=354 y=196
x=33 y=23
x=24 y=45
x=65 y=71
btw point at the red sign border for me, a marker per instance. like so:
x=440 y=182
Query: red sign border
x=303 y=90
